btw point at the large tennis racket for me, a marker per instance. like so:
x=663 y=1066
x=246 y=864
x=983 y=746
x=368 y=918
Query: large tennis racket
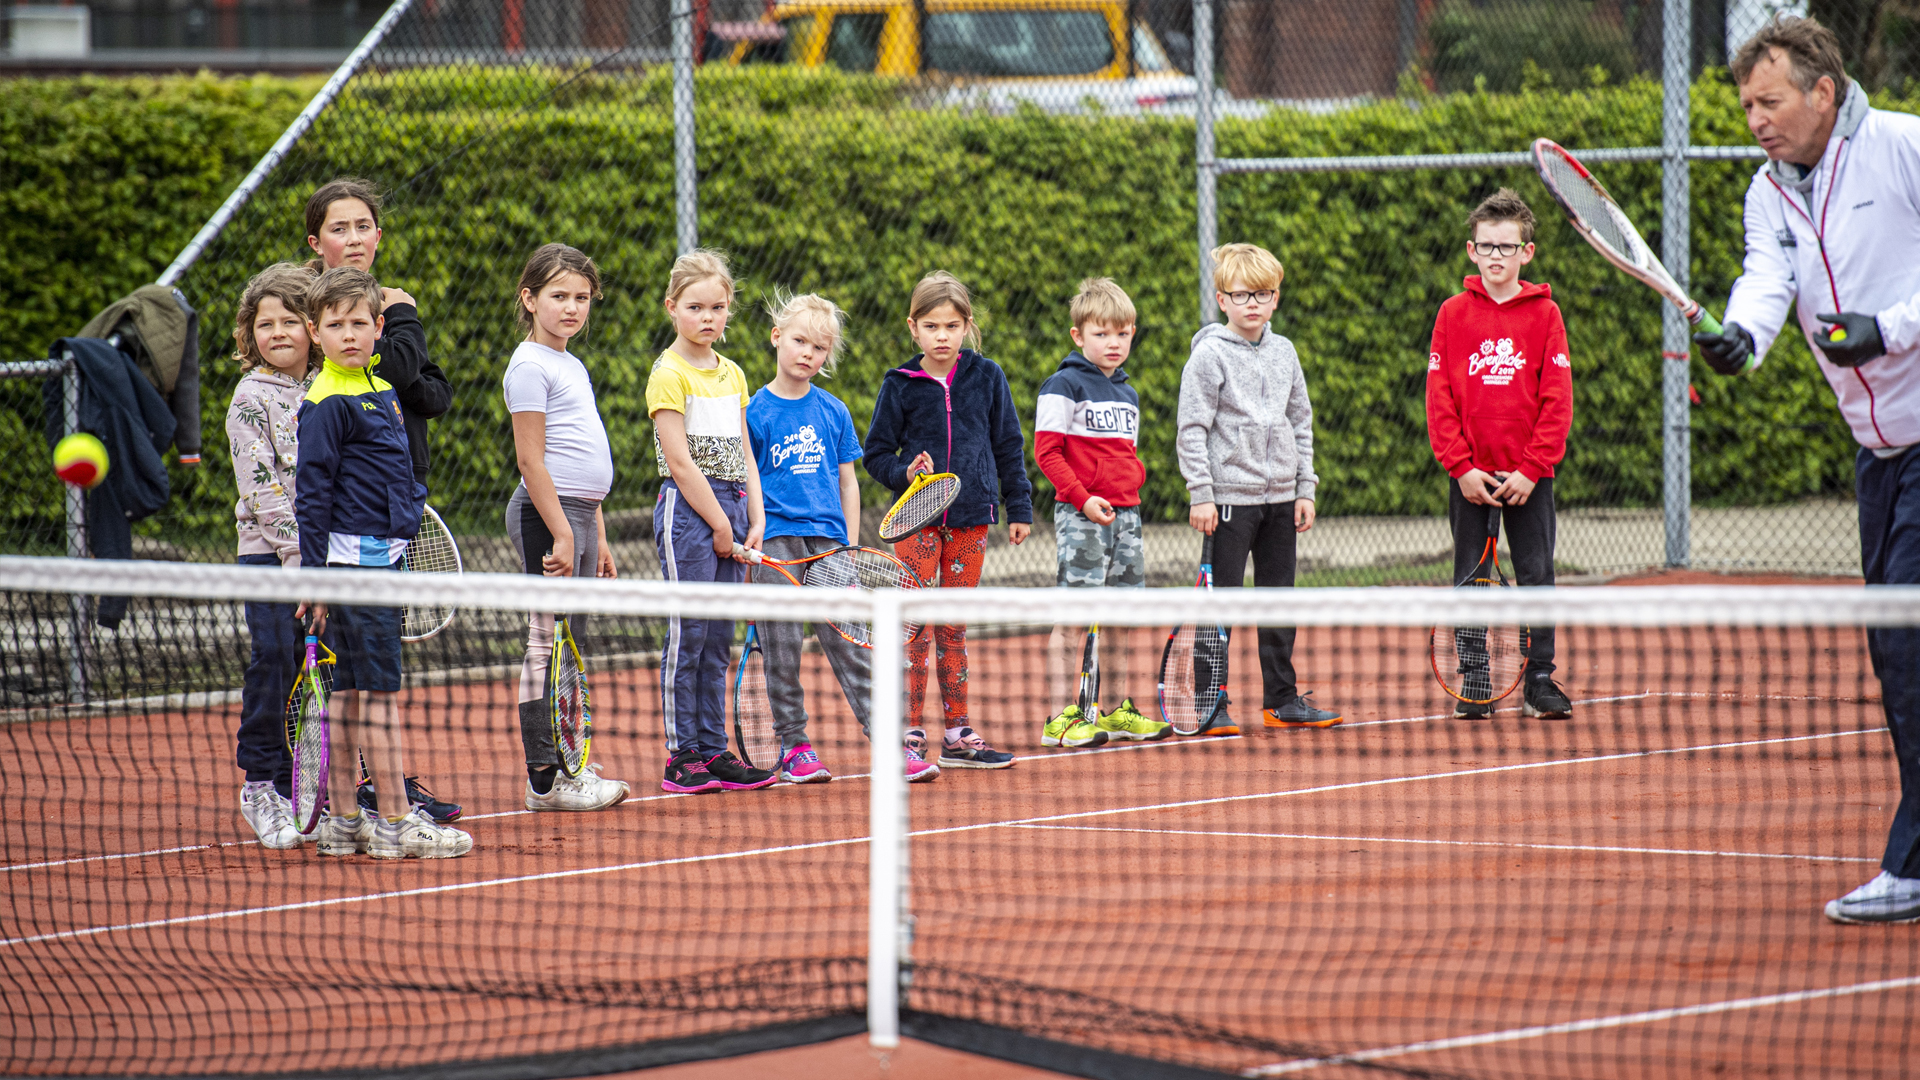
x=1193 y=670
x=431 y=551
x=925 y=499
x=1089 y=700
x=1480 y=664
x=1597 y=217
x=848 y=567
x=568 y=702
x=306 y=721
x=753 y=735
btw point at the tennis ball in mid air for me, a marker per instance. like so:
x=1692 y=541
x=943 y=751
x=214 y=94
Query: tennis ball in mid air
x=80 y=459
x=1839 y=334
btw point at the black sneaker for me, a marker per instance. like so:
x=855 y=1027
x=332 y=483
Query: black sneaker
x=736 y=775
x=1545 y=700
x=687 y=775
x=439 y=810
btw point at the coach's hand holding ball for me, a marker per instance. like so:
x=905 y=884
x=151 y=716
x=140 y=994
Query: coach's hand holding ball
x=1853 y=340
x=1729 y=352
x=80 y=460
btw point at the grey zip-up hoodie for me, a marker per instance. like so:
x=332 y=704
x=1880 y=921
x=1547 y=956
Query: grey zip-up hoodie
x=1246 y=425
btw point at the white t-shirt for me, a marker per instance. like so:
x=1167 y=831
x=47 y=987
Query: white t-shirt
x=541 y=380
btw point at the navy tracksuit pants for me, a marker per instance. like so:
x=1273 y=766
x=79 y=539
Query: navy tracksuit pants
x=1888 y=492
x=279 y=648
x=693 y=665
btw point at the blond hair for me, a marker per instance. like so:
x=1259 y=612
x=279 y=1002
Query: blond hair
x=941 y=289
x=816 y=313
x=1249 y=264
x=700 y=264
x=1101 y=301
x=343 y=286
x=286 y=282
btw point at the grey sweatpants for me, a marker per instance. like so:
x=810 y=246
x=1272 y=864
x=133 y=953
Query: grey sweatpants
x=532 y=541
x=852 y=665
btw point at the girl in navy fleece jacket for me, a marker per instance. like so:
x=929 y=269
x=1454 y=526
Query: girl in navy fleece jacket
x=949 y=410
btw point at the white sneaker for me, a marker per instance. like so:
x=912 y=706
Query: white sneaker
x=588 y=791
x=344 y=836
x=1885 y=899
x=270 y=816
x=417 y=837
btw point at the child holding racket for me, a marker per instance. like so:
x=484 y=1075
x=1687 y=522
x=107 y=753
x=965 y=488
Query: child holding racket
x=804 y=448
x=949 y=408
x=1085 y=424
x=357 y=505
x=343 y=229
x=553 y=516
x=1246 y=450
x=1499 y=406
x=707 y=514
x=277 y=360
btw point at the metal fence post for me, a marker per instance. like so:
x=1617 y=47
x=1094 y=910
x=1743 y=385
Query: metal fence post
x=78 y=630
x=686 y=182
x=1205 y=207
x=1676 y=221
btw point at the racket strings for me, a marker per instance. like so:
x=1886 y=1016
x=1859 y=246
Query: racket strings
x=861 y=568
x=917 y=510
x=571 y=712
x=753 y=714
x=1591 y=207
x=1480 y=664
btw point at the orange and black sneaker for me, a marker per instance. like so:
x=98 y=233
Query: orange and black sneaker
x=1299 y=713
x=1219 y=722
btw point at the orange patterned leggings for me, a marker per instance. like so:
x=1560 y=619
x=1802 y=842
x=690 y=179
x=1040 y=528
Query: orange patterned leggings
x=953 y=556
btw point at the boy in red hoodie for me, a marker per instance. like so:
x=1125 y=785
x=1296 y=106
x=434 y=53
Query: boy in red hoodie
x=1499 y=406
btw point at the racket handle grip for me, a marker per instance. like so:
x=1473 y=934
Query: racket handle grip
x=1703 y=322
x=753 y=556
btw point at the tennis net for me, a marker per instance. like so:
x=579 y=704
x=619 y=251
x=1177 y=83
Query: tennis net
x=1634 y=890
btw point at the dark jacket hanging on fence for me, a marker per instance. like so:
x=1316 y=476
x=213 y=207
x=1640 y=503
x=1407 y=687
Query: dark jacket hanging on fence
x=161 y=331
x=123 y=410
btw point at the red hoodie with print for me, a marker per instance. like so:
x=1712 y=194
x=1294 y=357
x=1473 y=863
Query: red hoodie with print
x=1499 y=384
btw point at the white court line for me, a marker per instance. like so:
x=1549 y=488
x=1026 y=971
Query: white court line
x=1597 y=1023
x=1450 y=843
x=719 y=856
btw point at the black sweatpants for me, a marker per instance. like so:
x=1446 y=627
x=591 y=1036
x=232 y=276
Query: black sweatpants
x=1530 y=533
x=1265 y=531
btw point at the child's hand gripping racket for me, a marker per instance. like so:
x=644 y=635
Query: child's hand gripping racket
x=1193 y=670
x=568 y=702
x=1480 y=664
x=848 y=567
x=307 y=737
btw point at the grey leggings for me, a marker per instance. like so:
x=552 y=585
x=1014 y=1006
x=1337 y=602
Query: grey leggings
x=532 y=541
x=852 y=665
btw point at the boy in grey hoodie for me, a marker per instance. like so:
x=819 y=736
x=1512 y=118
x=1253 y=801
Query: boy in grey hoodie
x=1246 y=451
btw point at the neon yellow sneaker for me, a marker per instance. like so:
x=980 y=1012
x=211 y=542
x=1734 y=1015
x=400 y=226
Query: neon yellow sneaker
x=1127 y=722
x=1071 y=729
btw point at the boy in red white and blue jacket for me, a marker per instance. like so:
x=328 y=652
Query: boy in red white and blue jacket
x=1085 y=426
x=1499 y=406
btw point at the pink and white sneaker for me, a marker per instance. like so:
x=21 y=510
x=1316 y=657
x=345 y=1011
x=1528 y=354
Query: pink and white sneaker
x=801 y=765
x=918 y=767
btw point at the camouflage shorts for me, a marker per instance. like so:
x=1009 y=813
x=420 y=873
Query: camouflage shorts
x=1094 y=555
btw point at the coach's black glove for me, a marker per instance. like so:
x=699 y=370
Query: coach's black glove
x=1851 y=340
x=1728 y=352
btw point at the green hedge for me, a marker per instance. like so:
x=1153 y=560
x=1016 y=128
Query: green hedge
x=822 y=181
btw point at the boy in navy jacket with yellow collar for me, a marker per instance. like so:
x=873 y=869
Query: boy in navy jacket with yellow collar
x=357 y=504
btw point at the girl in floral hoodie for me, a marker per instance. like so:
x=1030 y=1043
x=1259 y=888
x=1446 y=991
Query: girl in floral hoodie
x=277 y=360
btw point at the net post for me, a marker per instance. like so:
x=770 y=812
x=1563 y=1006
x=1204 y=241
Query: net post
x=1675 y=343
x=1205 y=206
x=887 y=879
x=77 y=548
x=686 y=181
x=270 y=160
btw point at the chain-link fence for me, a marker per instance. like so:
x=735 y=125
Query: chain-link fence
x=849 y=147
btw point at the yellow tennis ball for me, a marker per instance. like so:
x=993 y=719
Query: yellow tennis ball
x=1839 y=334
x=80 y=459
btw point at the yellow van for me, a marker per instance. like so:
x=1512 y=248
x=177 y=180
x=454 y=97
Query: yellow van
x=970 y=40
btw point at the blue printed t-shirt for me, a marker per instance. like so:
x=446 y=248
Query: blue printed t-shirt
x=799 y=446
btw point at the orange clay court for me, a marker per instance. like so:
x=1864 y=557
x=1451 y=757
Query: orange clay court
x=1632 y=893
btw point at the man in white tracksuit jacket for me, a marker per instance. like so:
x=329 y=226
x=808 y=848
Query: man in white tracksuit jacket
x=1833 y=233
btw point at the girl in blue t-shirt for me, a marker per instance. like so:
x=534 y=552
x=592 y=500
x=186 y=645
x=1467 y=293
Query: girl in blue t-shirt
x=805 y=447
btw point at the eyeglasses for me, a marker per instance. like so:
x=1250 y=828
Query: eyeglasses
x=1263 y=296
x=1505 y=251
